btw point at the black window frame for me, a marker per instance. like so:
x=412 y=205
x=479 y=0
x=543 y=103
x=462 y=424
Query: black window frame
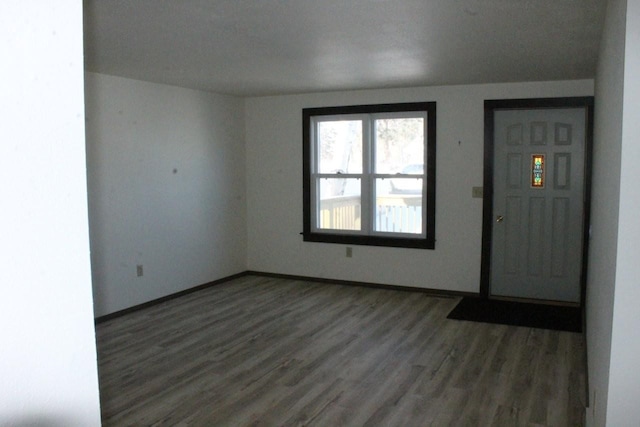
x=426 y=242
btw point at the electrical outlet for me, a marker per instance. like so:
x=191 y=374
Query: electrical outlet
x=349 y=252
x=139 y=271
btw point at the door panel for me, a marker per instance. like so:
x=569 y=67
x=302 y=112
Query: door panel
x=538 y=195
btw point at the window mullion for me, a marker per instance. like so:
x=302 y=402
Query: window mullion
x=366 y=187
x=372 y=172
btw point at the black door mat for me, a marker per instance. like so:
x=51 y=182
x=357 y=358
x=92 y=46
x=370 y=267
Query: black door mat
x=542 y=316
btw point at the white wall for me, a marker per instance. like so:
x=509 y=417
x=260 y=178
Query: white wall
x=604 y=209
x=48 y=370
x=274 y=182
x=624 y=375
x=166 y=189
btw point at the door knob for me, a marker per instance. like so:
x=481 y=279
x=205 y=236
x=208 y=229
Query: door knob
x=499 y=218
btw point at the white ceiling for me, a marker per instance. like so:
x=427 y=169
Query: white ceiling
x=262 y=47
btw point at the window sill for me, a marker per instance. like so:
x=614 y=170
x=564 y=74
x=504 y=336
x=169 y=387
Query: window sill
x=394 y=242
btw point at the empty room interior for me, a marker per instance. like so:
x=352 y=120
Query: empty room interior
x=321 y=213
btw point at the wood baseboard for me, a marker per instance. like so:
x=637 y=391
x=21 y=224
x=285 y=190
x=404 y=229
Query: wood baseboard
x=166 y=298
x=434 y=292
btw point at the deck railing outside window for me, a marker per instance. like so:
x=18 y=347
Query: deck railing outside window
x=394 y=213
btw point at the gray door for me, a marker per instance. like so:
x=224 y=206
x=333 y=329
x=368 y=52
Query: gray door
x=538 y=194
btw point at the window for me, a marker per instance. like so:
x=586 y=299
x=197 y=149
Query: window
x=369 y=174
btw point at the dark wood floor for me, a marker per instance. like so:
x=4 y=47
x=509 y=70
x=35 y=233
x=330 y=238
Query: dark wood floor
x=268 y=352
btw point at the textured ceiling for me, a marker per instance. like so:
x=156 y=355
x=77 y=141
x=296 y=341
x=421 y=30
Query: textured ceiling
x=264 y=47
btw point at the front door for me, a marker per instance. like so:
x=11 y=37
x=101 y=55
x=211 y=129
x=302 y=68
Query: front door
x=538 y=202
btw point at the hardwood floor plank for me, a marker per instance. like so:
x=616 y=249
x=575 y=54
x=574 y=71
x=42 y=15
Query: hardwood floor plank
x=260 y=351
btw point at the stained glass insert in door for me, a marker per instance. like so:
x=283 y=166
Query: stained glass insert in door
x=537 y=171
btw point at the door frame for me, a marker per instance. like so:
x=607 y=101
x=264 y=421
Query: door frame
x=490 y=106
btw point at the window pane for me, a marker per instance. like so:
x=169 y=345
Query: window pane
x=399 y=144
x=399 y=213
x=340 y=146
x=405 y=185
x=339 y=207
